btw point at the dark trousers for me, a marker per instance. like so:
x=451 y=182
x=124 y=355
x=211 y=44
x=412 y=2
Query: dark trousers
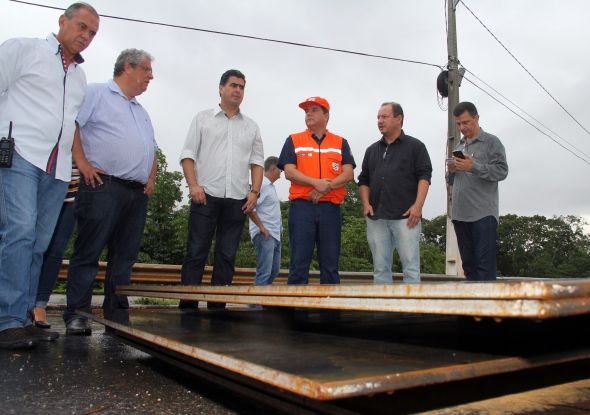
x=112 y=215
x=224 y=219
x=310 y=225
x=53 y=257
x=477 y=246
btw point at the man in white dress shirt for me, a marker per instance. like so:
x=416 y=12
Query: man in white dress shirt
x=221 y=146
x=42 y=87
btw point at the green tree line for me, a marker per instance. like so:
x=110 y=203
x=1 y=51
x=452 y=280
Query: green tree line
x=528 y=246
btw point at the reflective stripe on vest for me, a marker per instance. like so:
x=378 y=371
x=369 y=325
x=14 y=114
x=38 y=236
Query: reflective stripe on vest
x=318 y=150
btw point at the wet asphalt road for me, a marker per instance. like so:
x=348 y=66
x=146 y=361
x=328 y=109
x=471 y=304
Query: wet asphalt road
x=99 y=374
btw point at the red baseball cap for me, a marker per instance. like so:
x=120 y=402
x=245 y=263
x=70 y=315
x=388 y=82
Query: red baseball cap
x=322 y=102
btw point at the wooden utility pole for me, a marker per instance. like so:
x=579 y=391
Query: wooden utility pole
x=453 y=265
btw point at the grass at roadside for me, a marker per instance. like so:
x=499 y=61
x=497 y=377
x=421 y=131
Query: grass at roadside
x=156 y=301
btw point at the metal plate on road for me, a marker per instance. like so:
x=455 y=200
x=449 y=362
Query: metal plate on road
x=327 y=354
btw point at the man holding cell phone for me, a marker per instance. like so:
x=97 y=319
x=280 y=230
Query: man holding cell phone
x=478 y=164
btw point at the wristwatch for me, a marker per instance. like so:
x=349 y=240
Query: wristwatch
x=256 y=192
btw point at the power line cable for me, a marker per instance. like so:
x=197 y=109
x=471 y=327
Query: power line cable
x=284 y=42
x=523 y=67
x=526 y=113
x=527 y=121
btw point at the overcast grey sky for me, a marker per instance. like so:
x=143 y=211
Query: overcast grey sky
x=549 y=37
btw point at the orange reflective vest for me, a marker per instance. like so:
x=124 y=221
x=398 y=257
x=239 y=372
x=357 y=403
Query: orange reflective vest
x=322 y=161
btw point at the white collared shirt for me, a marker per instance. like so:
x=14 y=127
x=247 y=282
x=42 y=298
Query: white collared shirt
x=223 y=149
x=41 y=100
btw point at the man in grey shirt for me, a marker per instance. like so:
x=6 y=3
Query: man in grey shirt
x=478 y=164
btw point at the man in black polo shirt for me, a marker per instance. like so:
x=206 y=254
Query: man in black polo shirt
x=393 y=185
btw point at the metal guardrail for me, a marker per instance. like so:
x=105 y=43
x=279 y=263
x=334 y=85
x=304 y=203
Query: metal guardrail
x=170 y=274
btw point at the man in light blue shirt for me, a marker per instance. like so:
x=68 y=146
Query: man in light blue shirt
x=115 y=151
x=42 y=86
x=266 y=226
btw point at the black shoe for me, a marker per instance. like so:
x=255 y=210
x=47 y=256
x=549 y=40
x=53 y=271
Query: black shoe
x=41 y=334
x=215 y=306
x=187 y=306
x=78 y=326
x=39 y=318
x=17 y=338
x=42 y=324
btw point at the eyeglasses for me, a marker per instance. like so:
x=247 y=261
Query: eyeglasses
x=146 y=69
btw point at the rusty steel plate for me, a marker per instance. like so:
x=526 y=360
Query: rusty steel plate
x=327 y=355
x=507 y=299
x=510 y=289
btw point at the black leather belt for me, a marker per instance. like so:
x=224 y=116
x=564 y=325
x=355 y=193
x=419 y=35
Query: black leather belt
x=129 y=183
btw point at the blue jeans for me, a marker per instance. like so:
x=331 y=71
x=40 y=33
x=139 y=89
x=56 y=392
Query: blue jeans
x=55 y=252
x=30 y=200
x=268 y=259
x=311 y=224
x=112 y=215
x=386 y=235
x=477 y=246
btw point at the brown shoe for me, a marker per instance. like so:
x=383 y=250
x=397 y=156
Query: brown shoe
x=17 y=338
x=40 y=318
x=42 y=334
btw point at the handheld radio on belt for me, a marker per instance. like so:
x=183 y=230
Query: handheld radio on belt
x=7 y=149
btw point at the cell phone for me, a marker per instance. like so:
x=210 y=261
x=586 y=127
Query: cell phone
x=459 y=154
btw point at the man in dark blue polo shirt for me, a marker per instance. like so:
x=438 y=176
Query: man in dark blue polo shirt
x=393 y=185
